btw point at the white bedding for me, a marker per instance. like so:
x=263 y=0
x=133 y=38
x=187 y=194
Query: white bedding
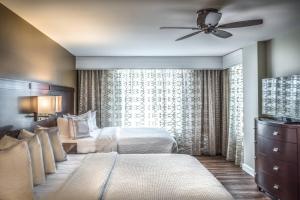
x=111 y=176
x=128 y=141
x=56 y=180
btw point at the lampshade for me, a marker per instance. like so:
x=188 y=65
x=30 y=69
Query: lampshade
x=47 y=104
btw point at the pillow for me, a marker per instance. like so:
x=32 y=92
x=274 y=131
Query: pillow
x=79 y=127
x=58 y=150
x=15 y=170
x=90 y=115
x=35 y=150
x=48 y=157
x=93 y=120
x=7 y=142
x=63 y=127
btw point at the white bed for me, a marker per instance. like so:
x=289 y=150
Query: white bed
x=112 y=176
x=128 y=141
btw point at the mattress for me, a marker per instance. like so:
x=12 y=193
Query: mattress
x=112 y=176
x=128 y=141
x=145 y=140
x=88 y=145
x=56 y=180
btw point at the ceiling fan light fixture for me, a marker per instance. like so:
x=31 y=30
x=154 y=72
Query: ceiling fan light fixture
x=208 y=23
x=212 y=18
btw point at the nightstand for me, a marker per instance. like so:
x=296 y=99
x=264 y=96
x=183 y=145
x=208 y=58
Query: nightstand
x=70 y=146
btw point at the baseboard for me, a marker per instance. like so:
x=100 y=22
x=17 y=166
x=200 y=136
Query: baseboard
x=249 y=170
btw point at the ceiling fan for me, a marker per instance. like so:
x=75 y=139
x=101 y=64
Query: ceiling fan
x=208 y=22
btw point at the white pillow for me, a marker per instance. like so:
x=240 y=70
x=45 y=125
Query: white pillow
x=15 y=170
x=35 y=149
x=93 y=120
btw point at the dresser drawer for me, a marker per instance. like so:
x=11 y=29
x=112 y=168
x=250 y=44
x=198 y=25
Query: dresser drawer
x=277 y=132
x=277 y=168
x=277 y=150
x=278 y=187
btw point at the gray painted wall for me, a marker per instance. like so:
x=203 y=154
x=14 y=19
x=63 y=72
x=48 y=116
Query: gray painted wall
x=283 y=55
x=28 y=54
x=250 y=76
x=274 y=58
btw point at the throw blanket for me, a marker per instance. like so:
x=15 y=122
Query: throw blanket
x=135 y=140
x=141 y=176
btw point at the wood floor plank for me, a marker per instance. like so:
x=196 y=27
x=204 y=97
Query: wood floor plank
x=240 y=184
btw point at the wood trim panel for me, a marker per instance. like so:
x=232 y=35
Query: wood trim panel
x=10 y=84
x=12 y=91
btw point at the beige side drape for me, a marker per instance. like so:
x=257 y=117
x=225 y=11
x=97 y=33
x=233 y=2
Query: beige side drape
x=208 y=136
x=225 y=111
x=90 y=83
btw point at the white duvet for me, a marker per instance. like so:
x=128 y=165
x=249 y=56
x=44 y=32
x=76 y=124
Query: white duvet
x=112 y=176
x=128 y=141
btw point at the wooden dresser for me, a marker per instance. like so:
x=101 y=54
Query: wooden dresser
x=277 y=160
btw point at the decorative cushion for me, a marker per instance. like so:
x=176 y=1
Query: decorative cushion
x=48 y=156
x=79 y=127
x=35 y=149
x=63 y=127
x=58 y=150
x=15 y=170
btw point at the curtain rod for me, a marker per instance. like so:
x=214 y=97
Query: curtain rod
x=150 y=68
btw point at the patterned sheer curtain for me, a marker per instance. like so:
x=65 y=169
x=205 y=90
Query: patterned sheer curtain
x=151 y=98
x=188 y=103
x=235 y=134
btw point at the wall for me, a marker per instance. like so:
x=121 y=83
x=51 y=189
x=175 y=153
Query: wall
x=149 y=62
x=232 y=59
x=28 y=54
x=283 y=55
x=253 y=71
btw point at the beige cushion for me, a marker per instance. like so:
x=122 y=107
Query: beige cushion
x=7 y=142
x=63 y=127
x=58 y=150
x=48 y=156
x=36 y=155
x=15 y=170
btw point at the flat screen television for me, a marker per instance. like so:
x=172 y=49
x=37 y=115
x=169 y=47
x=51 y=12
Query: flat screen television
x=281 y=97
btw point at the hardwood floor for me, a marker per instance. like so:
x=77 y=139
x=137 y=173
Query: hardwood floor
x=240 y=184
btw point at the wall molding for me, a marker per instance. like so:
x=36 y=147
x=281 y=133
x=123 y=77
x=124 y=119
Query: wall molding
x=249 y=170
x=232 y=59
x=149 y=62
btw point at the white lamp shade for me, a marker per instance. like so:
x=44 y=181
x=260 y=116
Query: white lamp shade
x=48 y=104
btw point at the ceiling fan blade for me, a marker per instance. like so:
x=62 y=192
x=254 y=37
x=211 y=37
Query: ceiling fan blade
x=242 y=24
x=172 y=27
x=189 y=35
x=221 y=34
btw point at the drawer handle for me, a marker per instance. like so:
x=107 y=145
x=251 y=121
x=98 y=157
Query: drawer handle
x=275 y=149
x=275 y=168
x=276 y=187
x=275 y=133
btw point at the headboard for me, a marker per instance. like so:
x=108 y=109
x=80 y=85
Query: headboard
x=10 y=93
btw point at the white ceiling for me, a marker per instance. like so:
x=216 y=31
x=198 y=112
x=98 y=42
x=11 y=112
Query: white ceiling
x=131 y=27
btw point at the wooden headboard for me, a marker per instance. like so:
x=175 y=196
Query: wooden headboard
x=12 y=90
